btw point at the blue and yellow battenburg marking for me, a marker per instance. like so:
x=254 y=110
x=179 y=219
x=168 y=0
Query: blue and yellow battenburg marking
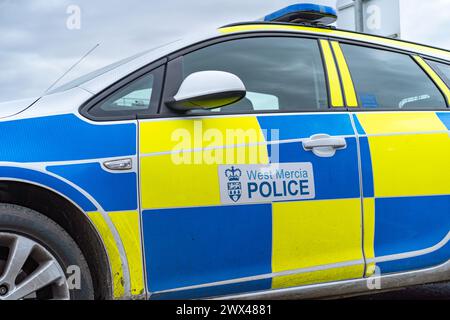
x=226 y=249
x=128 y=227
x=212 y=226
x=196 y=245
x=192 y=238
x=69 y=144
x=410 y=198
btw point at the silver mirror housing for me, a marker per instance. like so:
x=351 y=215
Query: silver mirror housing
x=208 y=90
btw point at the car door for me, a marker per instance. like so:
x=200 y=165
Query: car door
x=403 y=128
x=116 y=215
x=262 y=194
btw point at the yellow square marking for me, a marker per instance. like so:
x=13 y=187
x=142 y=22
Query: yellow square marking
x=315 y=233
x=176 y=180
x=190 y=134
x=127 y=225
x=411 y=165
x=400 y=122
x=113 y=253
x=315 y=277
x=369 y=233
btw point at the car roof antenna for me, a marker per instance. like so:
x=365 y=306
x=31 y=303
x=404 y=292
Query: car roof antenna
x=70 y=69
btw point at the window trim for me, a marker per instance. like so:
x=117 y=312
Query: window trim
x=434 y=77
x=441 y=75
x=385 y=47
x=338 y=38
x=154 y=113
x=159 y=67
x=348 y=86
x=176 y=59
x=336 y=100
x=226 y=38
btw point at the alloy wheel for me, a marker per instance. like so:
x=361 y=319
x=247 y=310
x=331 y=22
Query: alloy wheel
x=29 y=271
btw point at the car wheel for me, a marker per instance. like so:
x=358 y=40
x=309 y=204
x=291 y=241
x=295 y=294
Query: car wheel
x=37 y=257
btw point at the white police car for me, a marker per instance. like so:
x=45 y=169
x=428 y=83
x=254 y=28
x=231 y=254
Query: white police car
x=278 y=158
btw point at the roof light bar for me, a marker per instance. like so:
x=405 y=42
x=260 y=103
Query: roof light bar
x=304 y=13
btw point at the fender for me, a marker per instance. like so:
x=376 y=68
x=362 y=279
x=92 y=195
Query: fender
x=48 y=182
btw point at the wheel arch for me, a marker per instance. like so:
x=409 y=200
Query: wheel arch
x=72 y=219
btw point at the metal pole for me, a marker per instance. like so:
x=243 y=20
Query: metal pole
x=359 y=15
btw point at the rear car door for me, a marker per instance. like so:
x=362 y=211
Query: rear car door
x=259 y=195
x=403 y=124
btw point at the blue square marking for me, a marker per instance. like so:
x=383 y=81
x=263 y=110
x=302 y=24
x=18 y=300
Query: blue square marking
x=192 y=246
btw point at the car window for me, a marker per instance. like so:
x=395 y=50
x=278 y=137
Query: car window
x=260 y=102
x=443 y=70
x=137 y=99
x=390 y=80
x=280 y=73
x=141 y=96
x=135 y=96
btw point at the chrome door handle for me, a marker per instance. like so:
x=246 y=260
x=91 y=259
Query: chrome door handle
x=335 y=143
x=119 y=165
x=323 y=145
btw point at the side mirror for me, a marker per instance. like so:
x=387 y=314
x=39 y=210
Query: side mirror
x=208 y=90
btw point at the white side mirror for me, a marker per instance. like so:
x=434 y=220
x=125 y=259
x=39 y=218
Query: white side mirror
x=208 y=90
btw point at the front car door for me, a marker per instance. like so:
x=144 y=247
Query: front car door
x=403 y=127
x=244 y=198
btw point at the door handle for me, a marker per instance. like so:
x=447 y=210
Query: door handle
x=335 y=143
x=119 y=165
x=323 y=145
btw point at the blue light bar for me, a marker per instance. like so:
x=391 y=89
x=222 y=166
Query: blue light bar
x=304 y=13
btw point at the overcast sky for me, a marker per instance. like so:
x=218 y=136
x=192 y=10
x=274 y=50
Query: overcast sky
x=36 y=46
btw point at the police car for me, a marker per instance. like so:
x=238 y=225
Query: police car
x=281 y=158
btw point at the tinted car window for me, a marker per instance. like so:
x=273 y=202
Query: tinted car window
x=390 y=80
x=135 y=96
x=279 y=73
x=141 y=96
x=443 y=70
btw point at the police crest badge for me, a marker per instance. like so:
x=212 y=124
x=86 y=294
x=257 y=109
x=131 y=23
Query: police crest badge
x=234 y=185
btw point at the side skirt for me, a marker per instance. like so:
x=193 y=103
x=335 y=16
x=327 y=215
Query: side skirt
x=338 y=289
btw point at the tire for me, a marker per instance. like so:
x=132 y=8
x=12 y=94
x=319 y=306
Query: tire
x=29 y=224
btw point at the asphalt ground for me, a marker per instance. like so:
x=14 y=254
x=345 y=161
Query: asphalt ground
x=425 y=292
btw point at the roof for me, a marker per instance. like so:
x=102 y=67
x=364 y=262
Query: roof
x=340 y=34
x=99 y=83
